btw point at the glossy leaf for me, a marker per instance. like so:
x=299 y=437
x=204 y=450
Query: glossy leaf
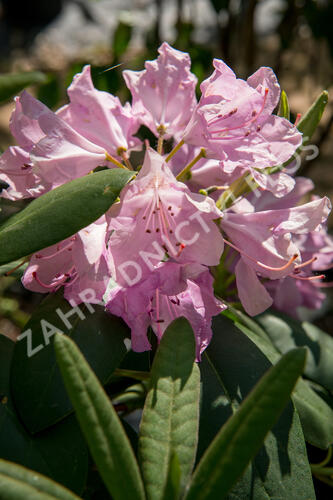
x=241 y=437
x=287 y=333
x=100 y=424
x=284 y=109
x=99 y=335
x=12 y=83
x=60 y=213
x=231 y=366
x=169 y=422
x=59 y=453
x=19 y=483
x=310 y=120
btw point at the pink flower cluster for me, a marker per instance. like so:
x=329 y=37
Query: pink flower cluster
x=154 y=255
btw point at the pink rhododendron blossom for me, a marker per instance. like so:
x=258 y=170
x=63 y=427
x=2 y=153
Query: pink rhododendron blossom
x=76 y=263
x=234 y=122
x=252 y=293
x=165 y=220
x=163 y=93
x=267 y=201
x=16 y=170
x=61 y=154
x=57 y=153
x=265 y=238
x=166 y=294
x=289 y=295
x=270 y=244
x=99 y=116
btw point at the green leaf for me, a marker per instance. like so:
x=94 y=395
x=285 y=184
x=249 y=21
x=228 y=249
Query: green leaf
x=6 y=354
x=170 y=417
x=286 y=333
x=135 y=374
x=133 y=397
x=59 y=453
x=99 y=335
x=315 y=415
x=19 y=483
x=11 y=84
x=60 y=213
x=231 y=366
x=106 y=438
x=172 y=487
x=284 y=109
x=310 y=120
x=241 y=437
x=50 y=93
x=121 y=39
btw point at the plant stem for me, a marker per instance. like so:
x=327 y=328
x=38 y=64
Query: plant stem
x=160 y=144
x=174 y=151
x=188 y=167
x=114 y=161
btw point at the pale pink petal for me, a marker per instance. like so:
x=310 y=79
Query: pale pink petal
x=16 y=170
x=99 y=116
x=252 y=293
x=279 y=184
x=24 y=128
x=62 y=154
x=265 y=78
x=163 y=93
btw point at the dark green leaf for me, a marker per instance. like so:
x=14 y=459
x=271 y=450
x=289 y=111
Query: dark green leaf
x=100 y=336
x=284 y=109
x=315 y=415
x=60 y=213
x=19 y=483
x=241 y=437
x=11 y=84
x=59 y=453
x=287 y=333
x=100 y=424
x=170 y=418
x=6 y=354
x=231 y=366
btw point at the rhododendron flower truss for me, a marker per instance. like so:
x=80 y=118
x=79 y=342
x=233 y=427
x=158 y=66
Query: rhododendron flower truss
x=153 y=256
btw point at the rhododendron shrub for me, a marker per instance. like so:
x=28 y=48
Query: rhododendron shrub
x=210 y=226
